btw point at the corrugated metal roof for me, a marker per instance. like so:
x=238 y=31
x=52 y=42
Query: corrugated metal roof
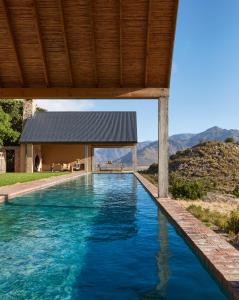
x=81 y=127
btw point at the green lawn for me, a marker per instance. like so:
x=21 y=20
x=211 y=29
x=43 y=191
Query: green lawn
x=12 y=178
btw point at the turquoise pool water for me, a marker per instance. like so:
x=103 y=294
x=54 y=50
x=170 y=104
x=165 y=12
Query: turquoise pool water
x=98 y=237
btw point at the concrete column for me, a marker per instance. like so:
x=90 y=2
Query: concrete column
x=86 y=159
x=134 y=157
x=92 y=159
x=89 y=158
x=22 y=158
x=163 y=147
x=29 y=158
x=17 y=159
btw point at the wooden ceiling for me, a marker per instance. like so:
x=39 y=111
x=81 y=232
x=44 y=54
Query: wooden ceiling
x=86 y=43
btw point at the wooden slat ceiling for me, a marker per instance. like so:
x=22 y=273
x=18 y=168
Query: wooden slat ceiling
x=86 y=43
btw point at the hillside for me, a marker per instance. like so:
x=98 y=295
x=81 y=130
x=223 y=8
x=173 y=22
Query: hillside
x=147 y=151
x=215 y=162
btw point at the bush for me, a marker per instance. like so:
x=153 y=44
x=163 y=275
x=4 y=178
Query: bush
x=229 y=140
x=233 y=222
x=153 y=169
x=236 y=191
x=187 y=189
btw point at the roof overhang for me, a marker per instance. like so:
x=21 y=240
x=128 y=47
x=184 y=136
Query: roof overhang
x=83 y=93
x=86 y=49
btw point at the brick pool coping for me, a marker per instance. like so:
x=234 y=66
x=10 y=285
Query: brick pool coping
x=218 y=255
x=10 y=191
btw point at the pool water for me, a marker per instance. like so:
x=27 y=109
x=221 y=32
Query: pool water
x=100 y=236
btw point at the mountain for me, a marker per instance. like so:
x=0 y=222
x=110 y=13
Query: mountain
x=147 y=151
x=213 y=134
x=115 y=154
x=145 y=154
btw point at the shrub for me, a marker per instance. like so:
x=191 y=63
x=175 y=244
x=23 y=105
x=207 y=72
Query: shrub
x=236 y=191
x=153 y=169
x=229 y=140
x=233 y=222
x=187 y=189
x=209 y=217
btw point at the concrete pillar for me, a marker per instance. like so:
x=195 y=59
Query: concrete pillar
x=92 y=159
x=134 y=157
x=29 y=108
x=17 y=159
x=22 y=158
x=163 y=147
x=29 y=158
x=89 y=158
x=86 y=158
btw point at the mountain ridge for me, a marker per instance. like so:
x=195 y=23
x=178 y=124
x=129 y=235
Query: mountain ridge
x=147 y=151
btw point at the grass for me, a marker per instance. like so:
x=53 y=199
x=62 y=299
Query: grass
x=228 y=223
x=151 y=178
x=210 y=218
x=12 y=178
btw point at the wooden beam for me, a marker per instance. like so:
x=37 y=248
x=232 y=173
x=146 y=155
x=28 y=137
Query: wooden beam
x=12 y=39
x=83 y=93
x=120 y=43
x=39 y=37
x=113 y=145
x=172 y=42
x=147 y=43
x=68 y=57
x=92 y=26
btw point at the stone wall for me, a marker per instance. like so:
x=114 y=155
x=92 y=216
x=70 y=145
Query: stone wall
x=29 y=108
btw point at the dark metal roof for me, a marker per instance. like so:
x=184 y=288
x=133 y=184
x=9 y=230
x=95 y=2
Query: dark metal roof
x=81 y=127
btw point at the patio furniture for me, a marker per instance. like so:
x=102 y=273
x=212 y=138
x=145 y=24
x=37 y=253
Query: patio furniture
x=111 y=167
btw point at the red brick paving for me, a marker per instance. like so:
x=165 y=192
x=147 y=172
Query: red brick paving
x=18 y=189
x=219 y=256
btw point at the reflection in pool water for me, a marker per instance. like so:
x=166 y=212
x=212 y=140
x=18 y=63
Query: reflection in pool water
x=98 y=237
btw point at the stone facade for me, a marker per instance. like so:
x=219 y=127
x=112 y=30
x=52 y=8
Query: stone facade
x=29 y=108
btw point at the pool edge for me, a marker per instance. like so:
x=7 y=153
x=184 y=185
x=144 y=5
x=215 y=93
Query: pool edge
x=219 y=256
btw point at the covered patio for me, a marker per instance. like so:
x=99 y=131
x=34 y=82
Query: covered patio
x=90 y=50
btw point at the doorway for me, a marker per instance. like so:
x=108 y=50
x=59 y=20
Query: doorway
x=10 y=160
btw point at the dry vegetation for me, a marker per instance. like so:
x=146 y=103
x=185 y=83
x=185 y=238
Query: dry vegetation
x=216 y=163
x=209 y=171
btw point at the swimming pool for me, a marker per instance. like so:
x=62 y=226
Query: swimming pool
x=100 y=236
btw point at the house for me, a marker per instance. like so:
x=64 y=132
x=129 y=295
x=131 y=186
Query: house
x=51 y=140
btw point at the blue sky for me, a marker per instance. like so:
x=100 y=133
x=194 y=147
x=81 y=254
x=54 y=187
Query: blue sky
x=205 y=75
